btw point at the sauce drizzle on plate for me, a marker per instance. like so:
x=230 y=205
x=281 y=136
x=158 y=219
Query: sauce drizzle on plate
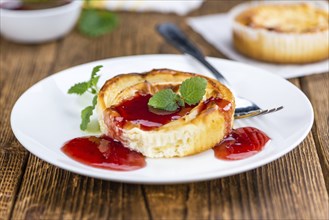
x=241 y=143
x=103 y=152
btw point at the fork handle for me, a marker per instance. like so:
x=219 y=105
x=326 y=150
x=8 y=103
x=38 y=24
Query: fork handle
x=177 y=38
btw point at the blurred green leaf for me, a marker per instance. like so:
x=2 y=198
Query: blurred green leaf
x=94 y=23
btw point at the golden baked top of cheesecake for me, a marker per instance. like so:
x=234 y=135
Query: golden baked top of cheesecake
x=285 y=18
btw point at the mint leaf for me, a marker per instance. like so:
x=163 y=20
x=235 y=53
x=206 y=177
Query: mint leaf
x=94 y=81
x=94 y=23
x=79 y=88
x=171 y=107
x=164 y=99
x=94 y=78
x=86 y=113
x=193 y=89
x=96 y=69
x=180 y=101
x=91 y=87
x=95 y=101
x=85 y=117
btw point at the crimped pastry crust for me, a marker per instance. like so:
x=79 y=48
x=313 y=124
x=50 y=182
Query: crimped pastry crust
x=281 y=33
x=195 y=132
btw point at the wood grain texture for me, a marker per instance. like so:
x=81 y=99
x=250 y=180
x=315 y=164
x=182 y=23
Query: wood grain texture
x=11 y=173
x=292 y=187
x=53 y=193
x=21 y=66
x=317 y=89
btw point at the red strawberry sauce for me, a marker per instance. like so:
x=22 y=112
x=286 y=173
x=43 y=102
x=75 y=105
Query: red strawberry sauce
x=103 y=152
x=241 y=143
x=137 y=111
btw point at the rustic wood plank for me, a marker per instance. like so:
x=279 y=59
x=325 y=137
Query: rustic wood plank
x=11 y=173
x=53 y=193
x=135 y=35
x=198 y=202
x=21 y=66
x=317 y=89
x=167 y=202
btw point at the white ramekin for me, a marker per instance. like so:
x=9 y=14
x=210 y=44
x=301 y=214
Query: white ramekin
x=37 y=26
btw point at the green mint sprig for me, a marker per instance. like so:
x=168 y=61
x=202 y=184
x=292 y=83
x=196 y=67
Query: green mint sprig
x=192 y=90
x=166 y=100
x=91 y=87
x=94 y=22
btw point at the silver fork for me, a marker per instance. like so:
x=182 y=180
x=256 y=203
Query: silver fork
x=173 y=35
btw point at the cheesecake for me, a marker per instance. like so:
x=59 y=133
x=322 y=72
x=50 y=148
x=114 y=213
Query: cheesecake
x=279 y=32
x=124 y=114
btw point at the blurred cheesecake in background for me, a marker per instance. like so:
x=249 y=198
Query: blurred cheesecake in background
x=281 y=32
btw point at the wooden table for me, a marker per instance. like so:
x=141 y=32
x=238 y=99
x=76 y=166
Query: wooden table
x=292 y=187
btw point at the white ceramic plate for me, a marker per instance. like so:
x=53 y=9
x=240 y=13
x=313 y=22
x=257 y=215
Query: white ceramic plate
x=45 y=117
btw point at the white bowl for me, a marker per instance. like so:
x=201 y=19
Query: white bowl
x=36 y=26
